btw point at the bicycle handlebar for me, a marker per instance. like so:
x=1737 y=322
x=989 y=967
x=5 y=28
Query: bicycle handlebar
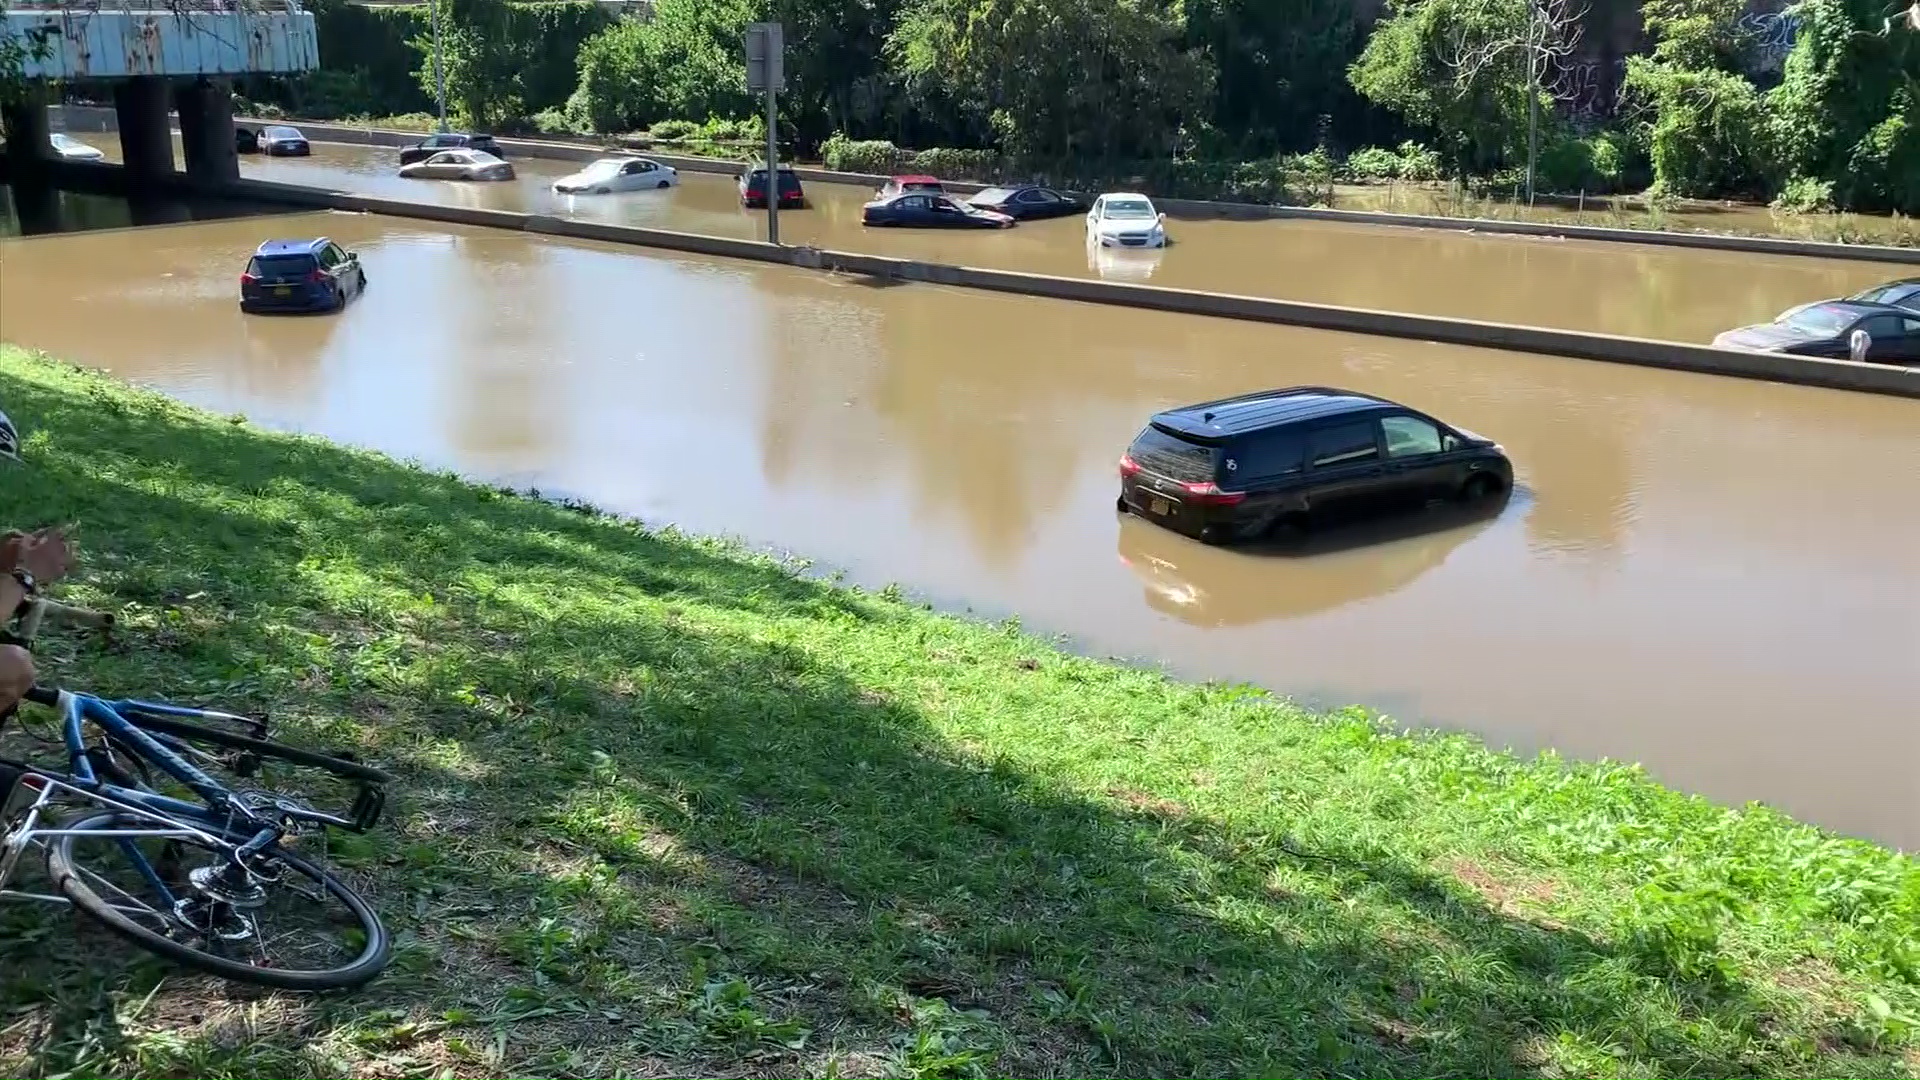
x=43 y=695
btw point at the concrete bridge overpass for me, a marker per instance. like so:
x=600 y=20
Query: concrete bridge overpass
x=158 y=55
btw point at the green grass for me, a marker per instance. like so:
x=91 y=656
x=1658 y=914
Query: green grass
x=670 y=808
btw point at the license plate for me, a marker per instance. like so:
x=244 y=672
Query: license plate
x=283 y=290
x=1158 y=506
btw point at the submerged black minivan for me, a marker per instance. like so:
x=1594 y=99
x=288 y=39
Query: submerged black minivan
x=1247 y=466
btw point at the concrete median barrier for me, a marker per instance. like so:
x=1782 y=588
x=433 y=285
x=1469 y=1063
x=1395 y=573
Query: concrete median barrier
x=1805 y=371
x=96 y=118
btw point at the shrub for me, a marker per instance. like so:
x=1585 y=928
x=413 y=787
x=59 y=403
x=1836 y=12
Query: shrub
x=1373 y=163
x=862 y=156
x=717 y=129
x=673 y=130
x=1566 y=164
x=554 y=122
x=1805 y=195
x=1419 y=163
x=956 y=164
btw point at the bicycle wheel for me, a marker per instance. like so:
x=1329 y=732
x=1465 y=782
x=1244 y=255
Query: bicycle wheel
x=216 y=918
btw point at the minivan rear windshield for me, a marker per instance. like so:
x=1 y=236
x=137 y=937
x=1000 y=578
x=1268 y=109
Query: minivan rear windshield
x=280 y=265
x=1174 y=458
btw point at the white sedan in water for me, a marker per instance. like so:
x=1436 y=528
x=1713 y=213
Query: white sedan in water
x=618 y=174
x=459 y=165
x=1126 y=219
x=72 y=149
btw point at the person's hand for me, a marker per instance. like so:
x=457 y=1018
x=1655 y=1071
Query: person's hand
x=46 y=554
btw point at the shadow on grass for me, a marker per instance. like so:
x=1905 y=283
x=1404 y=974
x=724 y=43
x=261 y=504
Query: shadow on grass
x=671 y=809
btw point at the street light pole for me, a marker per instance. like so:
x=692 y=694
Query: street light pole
x=439 y=73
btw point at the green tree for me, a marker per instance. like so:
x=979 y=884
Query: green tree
x=1281 y=66
x=687 y=63
x=1460 y=69
x=1085 y=80
x=1845 y=107
x=482 y=59
x=1706 y=129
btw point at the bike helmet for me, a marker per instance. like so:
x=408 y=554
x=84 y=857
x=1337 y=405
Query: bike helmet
x=9 y=439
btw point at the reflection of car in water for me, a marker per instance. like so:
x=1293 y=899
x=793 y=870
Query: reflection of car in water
x=1123 y=264
x=1211 y=586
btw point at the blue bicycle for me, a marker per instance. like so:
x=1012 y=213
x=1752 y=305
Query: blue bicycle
x=203 y=873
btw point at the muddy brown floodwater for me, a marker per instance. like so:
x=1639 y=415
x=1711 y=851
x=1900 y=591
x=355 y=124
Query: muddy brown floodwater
x=1710 y=576
x=1640 y=291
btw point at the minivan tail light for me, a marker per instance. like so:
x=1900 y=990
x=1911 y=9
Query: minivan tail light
x=317 y=276
x=248 y=279
x=1128 y=466
x=1209 y=494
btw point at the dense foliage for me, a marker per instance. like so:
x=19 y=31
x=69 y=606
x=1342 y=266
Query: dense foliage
x=1171 y=91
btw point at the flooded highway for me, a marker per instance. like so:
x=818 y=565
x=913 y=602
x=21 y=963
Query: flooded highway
x=1710 y=576
x=1669 y=293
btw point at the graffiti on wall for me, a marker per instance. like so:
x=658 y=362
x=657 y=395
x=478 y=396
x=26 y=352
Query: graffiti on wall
x=1590 y=89
x=1770 y=35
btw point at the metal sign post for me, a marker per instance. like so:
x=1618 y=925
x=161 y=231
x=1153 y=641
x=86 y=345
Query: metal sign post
x=439 y=74
x=766 y=71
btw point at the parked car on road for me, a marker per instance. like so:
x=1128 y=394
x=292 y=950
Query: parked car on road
x=72 y=149
x=1826 y=329
x=450 y=140
x=245 y=139
x=301 y=275
x=618 y=174
x=1126 y=219
x=1904 y=293
x=1028 y=203
x=279 y=140
x=459 y=165
x=753 y=188
x=920 y=211
x=900 y=185
x=1284 y=460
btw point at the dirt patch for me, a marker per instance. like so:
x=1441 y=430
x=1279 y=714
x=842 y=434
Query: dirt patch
x=1508 y=890
x=1147 y=802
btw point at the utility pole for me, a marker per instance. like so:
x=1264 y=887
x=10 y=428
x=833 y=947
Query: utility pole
x=439 y=73
x=766 y=71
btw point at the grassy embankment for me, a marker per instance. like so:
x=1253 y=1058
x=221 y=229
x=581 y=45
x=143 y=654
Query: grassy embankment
x=669 y=807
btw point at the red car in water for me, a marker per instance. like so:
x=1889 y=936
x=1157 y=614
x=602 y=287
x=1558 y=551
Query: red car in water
x=753 y=189
x=920 y=185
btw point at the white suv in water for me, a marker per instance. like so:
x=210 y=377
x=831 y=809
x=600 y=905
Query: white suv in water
x=1126 y=219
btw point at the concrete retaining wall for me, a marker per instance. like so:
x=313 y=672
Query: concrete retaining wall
x=92 y=118
x=1837 y=374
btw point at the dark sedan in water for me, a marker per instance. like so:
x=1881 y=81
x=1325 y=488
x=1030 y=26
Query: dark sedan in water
x=1904 y=293
x=450 y=140
x=279 y=140
x=1028 y=203
x=921 y=211
x=1826 y=329
x=1279 y=461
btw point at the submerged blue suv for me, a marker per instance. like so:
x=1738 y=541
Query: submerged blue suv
x=301 y=275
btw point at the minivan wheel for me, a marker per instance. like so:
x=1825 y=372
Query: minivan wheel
x=1120 y=504
x=1215 y=534
x=1288 y=526
x=1479 y=486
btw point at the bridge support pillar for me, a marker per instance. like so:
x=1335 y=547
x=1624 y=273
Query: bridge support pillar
x=146 y=141
x=206 y=130
x=29 y=147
